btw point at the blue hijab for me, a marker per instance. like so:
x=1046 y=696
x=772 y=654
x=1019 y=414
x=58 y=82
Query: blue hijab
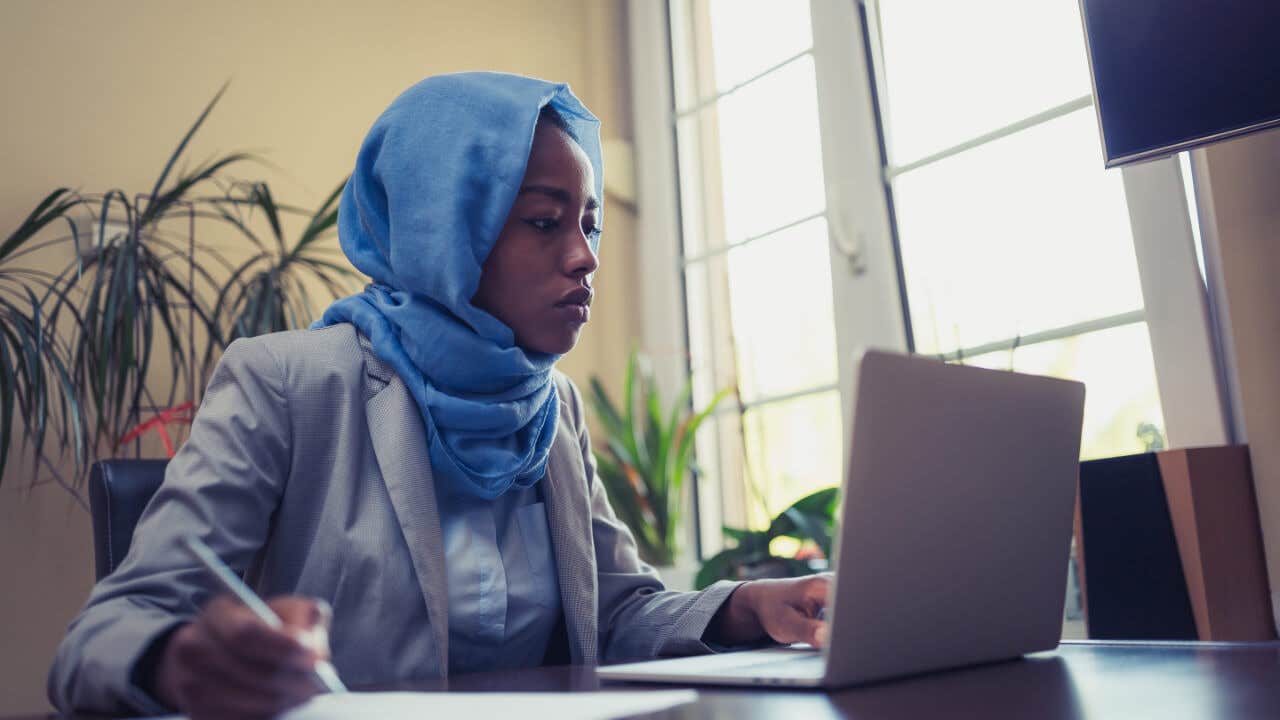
x=433 y=184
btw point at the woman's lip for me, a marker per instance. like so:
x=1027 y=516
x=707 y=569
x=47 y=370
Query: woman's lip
x=574 y=313
x=580 y=295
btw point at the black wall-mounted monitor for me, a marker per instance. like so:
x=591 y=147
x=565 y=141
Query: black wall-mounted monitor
x=1170 y=75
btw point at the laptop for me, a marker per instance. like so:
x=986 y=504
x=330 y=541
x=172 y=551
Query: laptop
x=954 y=534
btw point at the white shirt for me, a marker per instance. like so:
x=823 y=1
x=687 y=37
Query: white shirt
x=504 y=598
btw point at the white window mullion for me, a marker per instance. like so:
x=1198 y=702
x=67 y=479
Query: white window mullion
x=1061 y=333
x=864 y=269
x=1216 y=291
x=1173 y=291
x=755 y=404
x=657 y=215
x=662 y=316
x=1016 y=127
x=723 y=249
x=717 y=97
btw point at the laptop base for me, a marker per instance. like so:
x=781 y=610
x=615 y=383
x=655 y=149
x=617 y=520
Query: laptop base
x=783 y=667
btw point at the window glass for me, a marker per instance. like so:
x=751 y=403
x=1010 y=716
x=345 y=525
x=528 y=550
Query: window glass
x=958 y=70
x=750 y=36
x=792 y=448
x=1021 y=235
x=770 y=152
x=781 y=312
x=1121 y=405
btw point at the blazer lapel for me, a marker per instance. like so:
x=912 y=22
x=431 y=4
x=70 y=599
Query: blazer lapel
x=569 y=514
x=400 y=444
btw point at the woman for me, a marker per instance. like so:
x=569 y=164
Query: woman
x=411 y=474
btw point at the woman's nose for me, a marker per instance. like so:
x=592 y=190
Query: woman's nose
x=581 y=259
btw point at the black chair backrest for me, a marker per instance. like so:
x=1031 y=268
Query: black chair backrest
x=1134 y=587
x=119 y=490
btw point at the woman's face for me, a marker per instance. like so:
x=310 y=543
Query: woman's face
x=537 y=278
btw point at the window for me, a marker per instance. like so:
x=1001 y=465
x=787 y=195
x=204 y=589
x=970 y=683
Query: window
x=907 y=175
x=1016 y=245
x=755 y=259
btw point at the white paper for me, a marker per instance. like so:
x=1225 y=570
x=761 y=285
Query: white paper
x=524 y=706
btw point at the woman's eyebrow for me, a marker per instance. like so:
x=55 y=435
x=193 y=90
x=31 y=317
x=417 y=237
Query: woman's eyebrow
x=559 y=194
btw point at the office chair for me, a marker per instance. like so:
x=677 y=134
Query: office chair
x=119 y=490
x=1134 y=587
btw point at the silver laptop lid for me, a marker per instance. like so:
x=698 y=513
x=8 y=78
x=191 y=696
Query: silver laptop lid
x=956 y=520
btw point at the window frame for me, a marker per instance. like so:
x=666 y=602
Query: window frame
x=866 y=269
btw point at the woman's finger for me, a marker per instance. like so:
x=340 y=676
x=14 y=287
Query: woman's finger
x=209 y=665
x=247 y=637
x=306 y=620
x=817 y=587
x=811 y=594
x=789 y=625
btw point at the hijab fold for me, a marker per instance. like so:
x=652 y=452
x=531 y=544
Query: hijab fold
x=433 y=184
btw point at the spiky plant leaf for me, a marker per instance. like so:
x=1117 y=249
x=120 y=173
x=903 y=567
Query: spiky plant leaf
x=268 y=291
x=648 y=454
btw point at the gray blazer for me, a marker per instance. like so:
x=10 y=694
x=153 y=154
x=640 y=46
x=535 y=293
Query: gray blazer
x=307 y=471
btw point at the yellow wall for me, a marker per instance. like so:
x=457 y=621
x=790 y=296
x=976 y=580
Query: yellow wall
x=95 y=95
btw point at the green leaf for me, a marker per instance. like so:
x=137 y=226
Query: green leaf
x=261 y=194
x=817 y=506
x=634 y=437
x=621 y=495
x=322 y=220
x=721 y=566
x=318 y=263
x=806 y=527
x=182 y=145
x=678 y=411
x=232 y=298
x=819 y=502
x=752 y=542
x=810 y=518
x=663 y=486
x=54 y=205
x=160 y=205
x=684 y=442
x=7 y=382
x=32 y=374
x=605 y=410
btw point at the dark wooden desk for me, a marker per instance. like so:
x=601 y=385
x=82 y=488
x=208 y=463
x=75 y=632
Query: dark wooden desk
x=1080 y=680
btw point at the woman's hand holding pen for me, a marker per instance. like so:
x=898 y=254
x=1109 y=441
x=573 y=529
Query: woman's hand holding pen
x=228 y=663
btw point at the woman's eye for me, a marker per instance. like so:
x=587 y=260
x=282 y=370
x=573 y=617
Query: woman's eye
x=594 y=232
x=544 y=224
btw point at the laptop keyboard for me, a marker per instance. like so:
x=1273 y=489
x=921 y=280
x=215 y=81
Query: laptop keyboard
x=798 y=666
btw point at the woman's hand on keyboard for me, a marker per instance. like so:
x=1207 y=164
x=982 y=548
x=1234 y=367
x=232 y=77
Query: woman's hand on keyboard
x=788 y=610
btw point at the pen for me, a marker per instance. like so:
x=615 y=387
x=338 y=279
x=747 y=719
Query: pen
x=324 y=670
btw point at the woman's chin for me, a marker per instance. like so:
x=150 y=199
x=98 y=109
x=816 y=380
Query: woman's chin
x=553 y=343
x=568 y=343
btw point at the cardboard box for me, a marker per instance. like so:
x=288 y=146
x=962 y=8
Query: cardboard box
x=1215 y=521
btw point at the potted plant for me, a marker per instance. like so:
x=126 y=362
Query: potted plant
x=809 y=520
x=268 y=291
x=36 y=381
x=137 y=286
x=646 y=456
x=83 y=350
